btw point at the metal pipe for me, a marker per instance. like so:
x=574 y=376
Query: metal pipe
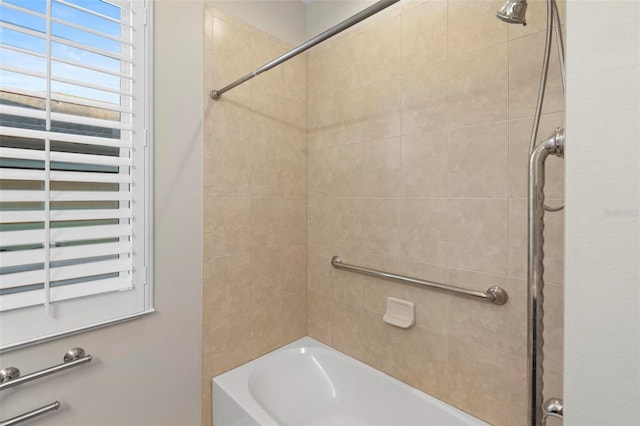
x=73 y=358
x=543 y=78
x=31 y=414
x=349 y=22
x=553 y=145
x=559 y=42
x=494 y=294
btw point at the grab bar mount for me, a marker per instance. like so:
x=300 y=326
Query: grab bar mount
x=9 y=373
x=72 y=358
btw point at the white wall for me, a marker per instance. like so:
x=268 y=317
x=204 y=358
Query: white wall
x=147 y=371
x=323 y=14
x=602 y=311
x=284 y=19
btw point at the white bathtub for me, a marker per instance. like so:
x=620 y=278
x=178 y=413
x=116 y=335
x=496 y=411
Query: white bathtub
x=309 y=383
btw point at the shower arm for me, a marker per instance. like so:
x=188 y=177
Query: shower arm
x=553 y=145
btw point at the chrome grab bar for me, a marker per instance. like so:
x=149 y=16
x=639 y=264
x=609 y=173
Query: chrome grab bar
x=31 y=414
x=494 y=294
x=553 y=145
x=72 y=358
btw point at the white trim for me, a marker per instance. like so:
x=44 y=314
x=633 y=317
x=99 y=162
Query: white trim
x=30 y=342
x=149 y=120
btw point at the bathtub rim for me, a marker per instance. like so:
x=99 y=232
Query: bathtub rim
x=235 y=384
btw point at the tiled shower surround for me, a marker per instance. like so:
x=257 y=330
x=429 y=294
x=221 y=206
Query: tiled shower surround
x=255 y=205
x=411 y=157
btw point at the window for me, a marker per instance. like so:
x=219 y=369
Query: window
x=75 y=166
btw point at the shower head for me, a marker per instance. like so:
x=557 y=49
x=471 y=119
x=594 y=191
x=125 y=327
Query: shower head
x=513 y=12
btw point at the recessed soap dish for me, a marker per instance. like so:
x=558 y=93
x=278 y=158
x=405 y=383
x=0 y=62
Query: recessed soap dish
x=400 y=313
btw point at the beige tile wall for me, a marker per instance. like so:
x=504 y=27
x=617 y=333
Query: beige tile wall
x=417 y=125
x=255 y=207
x=418 y=128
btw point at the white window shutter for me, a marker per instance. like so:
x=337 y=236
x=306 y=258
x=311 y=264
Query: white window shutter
x=74 y=178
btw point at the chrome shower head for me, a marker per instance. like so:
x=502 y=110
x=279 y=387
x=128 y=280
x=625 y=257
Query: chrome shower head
x=513 y=12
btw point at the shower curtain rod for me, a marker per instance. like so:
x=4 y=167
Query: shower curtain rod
x=358 y=17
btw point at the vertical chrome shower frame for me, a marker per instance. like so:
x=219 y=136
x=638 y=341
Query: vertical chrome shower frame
x=553 y=145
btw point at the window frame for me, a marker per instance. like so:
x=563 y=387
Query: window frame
x=142 y=238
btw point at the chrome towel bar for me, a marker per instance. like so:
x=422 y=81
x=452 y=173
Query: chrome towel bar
x=494 y=294
x=31 y=414
x=10 y=377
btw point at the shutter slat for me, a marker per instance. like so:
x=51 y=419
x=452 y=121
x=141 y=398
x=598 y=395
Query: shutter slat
x=23 y=30
x=90 y=288
x=64 y=137
x=23 y=51
x=21 y=216
x=91 y=85
x=23 y=71
x=19 y=174
x=90 y=196
x=62 y=273
x=23 y=9
x=57 y=176
x=90 y=177
x=89 y=250
x=21 y=300
x=36 y=297
x=91 y=12
x=22 y=154
x=90 y=214
x=87 y=48
x=23 y=112
x=90 y=269
x=90 y=31
x=97 y=122
x=102 y=160
x=20 y=279
x=21 y=257
x=82 y=233
x=90 y=103
x=16 y=196
x=28 y=257
x=68 y=98
x=25 y=237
